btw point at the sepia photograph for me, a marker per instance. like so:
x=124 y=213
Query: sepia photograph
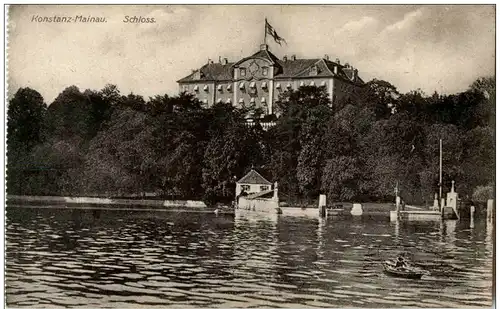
x=250 y=156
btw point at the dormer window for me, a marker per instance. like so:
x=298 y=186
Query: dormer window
x=313 y=71
x=219 y=100
x=243 y=72
x=242 y=101
x=228 y=88
x=265 y=71
x=302 y=84
x=205 y=101
x=263 y=100
x=323 y=84
x=252 y=85
x=312 y=83
x=289 y=86
x=219 y=87
x=228 y=101
x=242 y=85
x=278 y=86
x=264 y=85
x=196 y=88
x=252 y=100
x=205 y=88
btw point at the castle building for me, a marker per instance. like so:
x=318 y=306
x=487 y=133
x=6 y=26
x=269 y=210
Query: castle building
x=259 y=79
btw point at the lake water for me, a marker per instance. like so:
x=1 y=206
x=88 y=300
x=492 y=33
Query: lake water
x=146 y=259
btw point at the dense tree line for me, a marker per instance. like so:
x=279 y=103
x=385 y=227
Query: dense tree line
x=103 y=143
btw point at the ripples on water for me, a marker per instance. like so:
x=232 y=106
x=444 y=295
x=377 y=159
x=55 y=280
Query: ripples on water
x=127 y=259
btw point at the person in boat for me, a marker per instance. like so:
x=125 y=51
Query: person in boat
x=400 y=262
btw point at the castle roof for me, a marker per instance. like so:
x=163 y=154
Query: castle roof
x=286 y=69
x=254 y=178
x=211 y=72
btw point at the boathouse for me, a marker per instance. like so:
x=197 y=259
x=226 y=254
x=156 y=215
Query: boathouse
x=255 y=193
x=252 y=182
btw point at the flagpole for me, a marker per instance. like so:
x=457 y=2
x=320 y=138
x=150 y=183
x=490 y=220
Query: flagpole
x=265 y=32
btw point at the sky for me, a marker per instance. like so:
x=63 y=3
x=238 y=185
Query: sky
x=432 y=48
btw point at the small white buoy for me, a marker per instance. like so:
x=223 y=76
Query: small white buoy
x=357 y=210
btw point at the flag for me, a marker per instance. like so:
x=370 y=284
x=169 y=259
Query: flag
x=270 y=30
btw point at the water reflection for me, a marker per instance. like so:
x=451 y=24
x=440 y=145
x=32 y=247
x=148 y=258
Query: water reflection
x=115 y=259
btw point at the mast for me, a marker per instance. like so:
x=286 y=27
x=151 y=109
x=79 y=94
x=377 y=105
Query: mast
x=440 y=171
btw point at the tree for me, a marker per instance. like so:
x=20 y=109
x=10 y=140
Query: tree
x=296 y=157
x=25 y=115
x=232 y=149
x=380 y=96
x=25 y=124
x=121 y=158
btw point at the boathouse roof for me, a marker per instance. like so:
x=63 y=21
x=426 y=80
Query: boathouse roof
x=254 y=178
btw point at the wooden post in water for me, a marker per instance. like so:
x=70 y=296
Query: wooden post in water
x=322 y=205
x=398 y=200
x=472 y=210
x=489 y=210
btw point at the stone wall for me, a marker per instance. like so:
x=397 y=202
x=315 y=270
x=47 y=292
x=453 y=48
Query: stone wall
x=258 y=205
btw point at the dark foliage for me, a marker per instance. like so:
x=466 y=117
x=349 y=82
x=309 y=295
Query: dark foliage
x=357 y=149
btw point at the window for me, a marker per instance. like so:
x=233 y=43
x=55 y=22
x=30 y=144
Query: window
x=219 y=87
x=264 y=85
x=312 y=83
x=243 y=72
x=265 y=71
x=242 y=85
x=278 y=86
x=228 y=88
x=252 y=85
x=245 y=187
x=196 y=88
x=313 y=71
x=264 y=188
x=205 y=88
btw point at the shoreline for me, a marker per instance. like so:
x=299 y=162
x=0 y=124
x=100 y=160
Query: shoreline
x=96 y=203
x=190 y=204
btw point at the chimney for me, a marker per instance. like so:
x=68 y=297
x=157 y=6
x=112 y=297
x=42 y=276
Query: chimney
x=335 y=70
x=337 y=60
x=347 y=65
x=220 y=60
x=225 y=61
x=327 y=58
x=294 y=58
x=285 y=58
x=355 y=74
x=209 y=60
